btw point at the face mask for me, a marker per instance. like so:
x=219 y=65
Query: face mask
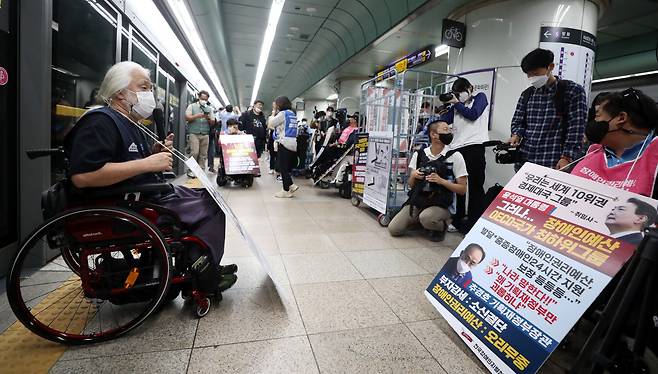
x=257 y=110
x=538 y=82
x=464 y=96
x=596 y=130
x=330 y=114
x=462 y=267
x=203 y=102
x=144 y=105
x=445 y=138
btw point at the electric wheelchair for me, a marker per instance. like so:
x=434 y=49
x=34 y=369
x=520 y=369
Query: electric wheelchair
x=102 y=262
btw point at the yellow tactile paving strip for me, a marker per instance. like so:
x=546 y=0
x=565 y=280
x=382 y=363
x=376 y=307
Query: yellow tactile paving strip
x=22 y=351
x=193 y=183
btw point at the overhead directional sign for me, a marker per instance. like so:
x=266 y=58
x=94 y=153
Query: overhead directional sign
x=409 y=61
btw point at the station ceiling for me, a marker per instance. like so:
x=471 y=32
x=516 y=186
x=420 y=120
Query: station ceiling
x=320 y=42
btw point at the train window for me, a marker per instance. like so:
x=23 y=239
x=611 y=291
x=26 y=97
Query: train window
x=142 y=53
x=83 y=48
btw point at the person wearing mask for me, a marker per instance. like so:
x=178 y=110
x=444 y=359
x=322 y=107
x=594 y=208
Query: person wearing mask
x=423 y=117
x=469 y=118
x=431 y=195
x=106 y=149
x=284 y=122
x=549 y=121
x=459 y=268
x=225 y=115
x=624 y=150
x=253 y=122
x=199 y=119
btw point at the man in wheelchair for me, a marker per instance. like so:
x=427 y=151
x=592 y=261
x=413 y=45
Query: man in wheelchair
x=108 y=152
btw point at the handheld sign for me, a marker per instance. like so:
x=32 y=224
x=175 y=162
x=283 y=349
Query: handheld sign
x=534 y=262
x=239 y=154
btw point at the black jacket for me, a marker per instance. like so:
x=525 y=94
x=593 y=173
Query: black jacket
x=254 y=124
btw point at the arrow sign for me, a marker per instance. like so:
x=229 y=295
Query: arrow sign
x=547 y=34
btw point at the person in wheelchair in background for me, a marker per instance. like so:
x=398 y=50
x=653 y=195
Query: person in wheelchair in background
x=105 y=150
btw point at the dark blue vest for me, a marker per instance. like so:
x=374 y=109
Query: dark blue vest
x=134 y=145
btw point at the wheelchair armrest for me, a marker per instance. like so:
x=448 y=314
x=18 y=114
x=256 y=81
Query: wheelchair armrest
x=123 y=190
x=169 y=175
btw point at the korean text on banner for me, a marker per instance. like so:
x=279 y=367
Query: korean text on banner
x=530 y=267
x=239 y=154
x=360 y=162
x=214 y=193
x=378 y=170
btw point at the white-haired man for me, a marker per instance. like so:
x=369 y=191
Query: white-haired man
x=106 y=149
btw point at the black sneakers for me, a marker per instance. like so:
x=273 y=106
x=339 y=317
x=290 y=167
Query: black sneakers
x=437 y=236
x=228 y=269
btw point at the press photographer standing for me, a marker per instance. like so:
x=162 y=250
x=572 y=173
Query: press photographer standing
x=470 y=126
x=199 y=119
x=434 y=178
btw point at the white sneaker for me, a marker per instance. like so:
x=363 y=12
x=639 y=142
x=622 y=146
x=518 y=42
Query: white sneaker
x=452 y=228
x=270 y=172
x=283 y=194
x=293 y=187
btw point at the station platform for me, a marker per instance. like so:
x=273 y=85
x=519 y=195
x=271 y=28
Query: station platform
x=348 y=299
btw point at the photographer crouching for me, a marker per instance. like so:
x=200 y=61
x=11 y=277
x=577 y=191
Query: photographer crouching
x=435 y=176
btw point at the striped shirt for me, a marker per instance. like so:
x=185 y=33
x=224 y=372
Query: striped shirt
x=547 y=135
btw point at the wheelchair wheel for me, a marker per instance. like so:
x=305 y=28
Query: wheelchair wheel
x=120 y=275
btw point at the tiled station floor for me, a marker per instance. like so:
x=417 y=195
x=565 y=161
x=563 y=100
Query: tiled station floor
x=349 y=300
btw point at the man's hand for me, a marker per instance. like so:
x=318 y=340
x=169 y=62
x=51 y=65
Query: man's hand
x=562 y=162
x=434 y=178
x=416 y=174
x=515 y=140
x=454 y=100
x=168 y=144
x=158 y=162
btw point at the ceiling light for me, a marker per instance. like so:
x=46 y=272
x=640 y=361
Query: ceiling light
x=441 y=50
x=272 y=22
x=625 y=76
x=311 y=9
x=290 y=35
x=332 y=97
x=186 y=22
x=166 y=40
x=294 y=28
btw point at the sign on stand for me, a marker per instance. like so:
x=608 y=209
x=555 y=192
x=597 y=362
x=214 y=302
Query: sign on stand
x=530 y=267
x=360 y=162
x=378 y=170
x=239 y=154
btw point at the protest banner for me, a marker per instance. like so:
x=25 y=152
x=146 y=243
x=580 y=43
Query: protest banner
x=360 y=161
x=378 y=170
x=534 y=262
x=211 y=187
x=239 y=154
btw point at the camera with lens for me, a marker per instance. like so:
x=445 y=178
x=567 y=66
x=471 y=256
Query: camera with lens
x=507 y=154
x=445 y=97
x=427 y=170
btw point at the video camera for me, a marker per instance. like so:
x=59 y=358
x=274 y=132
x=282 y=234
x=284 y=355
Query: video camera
x=507 y=154
x=445 y=97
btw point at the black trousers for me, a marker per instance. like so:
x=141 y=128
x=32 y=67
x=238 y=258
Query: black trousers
x=285 y=158
x=475 y=165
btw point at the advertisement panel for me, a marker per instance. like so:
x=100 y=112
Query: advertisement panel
x=530 y=267
x=378 y=170
x=239 y=154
